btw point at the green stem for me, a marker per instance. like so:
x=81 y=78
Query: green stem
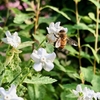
x=20 y=74
x=78 y=35
x=37 y=16
x=96 y=36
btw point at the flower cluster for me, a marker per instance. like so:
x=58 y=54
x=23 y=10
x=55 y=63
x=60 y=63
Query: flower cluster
x=86 y=93
x=53 y=31
x=13 y=40
x=10 y=94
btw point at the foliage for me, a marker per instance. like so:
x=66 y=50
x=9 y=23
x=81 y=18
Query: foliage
x=72 y=66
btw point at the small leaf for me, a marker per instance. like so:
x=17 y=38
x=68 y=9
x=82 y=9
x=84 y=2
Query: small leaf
x=49 y=48
x=92 y=16
x=20 y=18
x=97 y=4
x=71 y=49
x=58 y=11
x=82 y=26
x=40 y=80
x=31 y=91
x=94 y=52
x=25 y=44
x=88 y=73
x=86 y=19
x=15 y=11
x=96 y=82
x=91 y=39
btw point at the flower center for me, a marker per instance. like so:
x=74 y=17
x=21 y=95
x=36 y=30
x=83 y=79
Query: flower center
x=7 y=97
x=43 y=59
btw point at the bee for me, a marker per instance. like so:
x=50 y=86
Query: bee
x=62 y=40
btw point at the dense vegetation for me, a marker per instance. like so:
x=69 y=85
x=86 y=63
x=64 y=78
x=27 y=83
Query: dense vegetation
x=73 y=65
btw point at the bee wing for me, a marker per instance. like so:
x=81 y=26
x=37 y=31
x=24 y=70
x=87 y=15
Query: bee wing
x=72 y=42
x=58 y=43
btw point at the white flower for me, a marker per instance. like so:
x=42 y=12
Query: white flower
x=78 y=92
x=85 y=94
x=89 y=94
x=14 y=40
x=53 y=30
x=98 y=95
x=43 y=59
x=10 y=94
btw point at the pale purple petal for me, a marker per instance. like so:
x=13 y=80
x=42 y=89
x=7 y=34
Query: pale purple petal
x=48 y=66
x=37 y=66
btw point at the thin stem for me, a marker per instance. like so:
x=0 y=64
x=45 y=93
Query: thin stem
x=78 y=35
x=37 y=16
x=96 y=37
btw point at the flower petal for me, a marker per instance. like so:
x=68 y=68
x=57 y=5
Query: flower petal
x=35 y=56
x=78 y=88
x=37 y=66
x=41 y=51
x=51 y=24
x=2 y=91
x=8 y=34
x=17 y=98
x=48 y=66
x=57 y=24
x=51 y=57
x=12 y=90
x=16 y=37
x=51 y=38
x=4 y=40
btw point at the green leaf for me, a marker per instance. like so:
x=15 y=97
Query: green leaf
x=49 y=48
x=91 y=39
x=87 y=73
x=36 y=91
x=82 y=26
x=87 y=19
x=15 y=11
x=69 y=86
x=71 y=49
x=85 y=55
x=59 y=65
x=46 y=20
x=40 y=80
x=97 y=4
x=31 y=91
x=93 y=51
x=96 y=82
x=58 y=11
x=26 y=1
x=25 y=44
x=20 y=18
x=92 y=16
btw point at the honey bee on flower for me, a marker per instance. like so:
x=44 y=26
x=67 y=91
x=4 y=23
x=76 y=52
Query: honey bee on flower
x=57 y=35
